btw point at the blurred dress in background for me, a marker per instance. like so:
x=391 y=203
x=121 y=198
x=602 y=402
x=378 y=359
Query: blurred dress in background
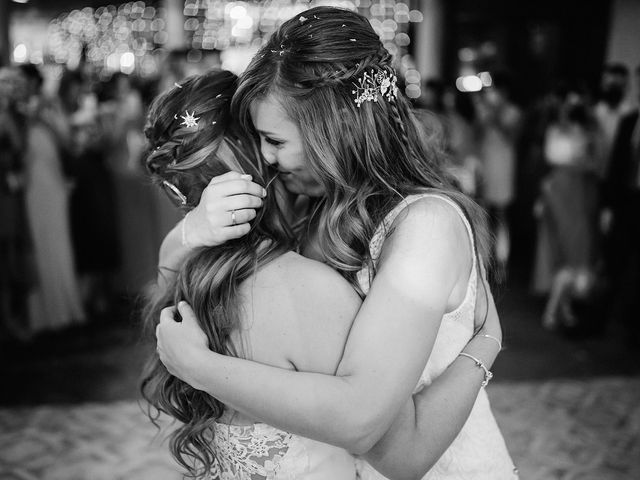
x=56 y=301
x=568 y=210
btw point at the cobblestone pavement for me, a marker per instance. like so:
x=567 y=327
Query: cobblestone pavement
x=557 y=429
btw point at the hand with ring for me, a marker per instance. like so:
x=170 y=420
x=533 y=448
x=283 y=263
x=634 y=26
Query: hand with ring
x=226 y=207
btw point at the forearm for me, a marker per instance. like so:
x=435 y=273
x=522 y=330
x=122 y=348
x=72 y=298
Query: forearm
x=330 y=409
x=431 y=420
x=171 y=255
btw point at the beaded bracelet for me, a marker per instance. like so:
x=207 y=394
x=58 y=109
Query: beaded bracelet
x=487 y=374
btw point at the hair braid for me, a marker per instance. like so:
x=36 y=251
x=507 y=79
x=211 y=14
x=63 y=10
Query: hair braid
x=397 y=118
x=326 y=74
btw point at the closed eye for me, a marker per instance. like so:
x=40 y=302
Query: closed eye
x=275 y=143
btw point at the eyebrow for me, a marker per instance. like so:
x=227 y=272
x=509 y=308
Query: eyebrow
x=267 y=133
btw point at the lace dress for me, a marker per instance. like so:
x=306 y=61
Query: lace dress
x=259 y=451
x=479 y=451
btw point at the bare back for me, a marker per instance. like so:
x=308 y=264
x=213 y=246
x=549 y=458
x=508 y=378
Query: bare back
x=296 y=314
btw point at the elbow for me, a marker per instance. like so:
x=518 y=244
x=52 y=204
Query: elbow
x=360 y=444
x=414 y=476
x=418 y=469
x=368 y=430
x=409 y=469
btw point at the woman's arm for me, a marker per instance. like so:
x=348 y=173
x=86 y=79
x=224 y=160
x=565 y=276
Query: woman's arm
x=386 y=351
x=432 y=418
x=210 y=223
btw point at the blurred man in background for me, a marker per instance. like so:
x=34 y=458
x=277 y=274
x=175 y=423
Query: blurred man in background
x=622 y=197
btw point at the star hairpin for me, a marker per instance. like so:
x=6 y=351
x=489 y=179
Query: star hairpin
x=189 y=120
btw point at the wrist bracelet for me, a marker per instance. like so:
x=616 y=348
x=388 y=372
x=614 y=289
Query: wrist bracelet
x=183 y=230
x=487 y=374
x=486 y=335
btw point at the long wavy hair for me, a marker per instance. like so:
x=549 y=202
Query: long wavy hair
x=368 y=157
x=209 y=278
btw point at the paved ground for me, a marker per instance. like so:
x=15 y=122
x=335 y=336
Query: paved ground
x=560 y=429
x=569 y=408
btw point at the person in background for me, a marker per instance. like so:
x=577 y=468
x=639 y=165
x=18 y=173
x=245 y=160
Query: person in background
x=15 y=278
x=56 y=302
x=459 y=118
x=568 y=209
x=499 y=121
x=610 y=108
x=93 y=222
x=622 y=198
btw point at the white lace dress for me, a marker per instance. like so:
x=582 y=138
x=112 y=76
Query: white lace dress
x=259 y=451
x=479 y=451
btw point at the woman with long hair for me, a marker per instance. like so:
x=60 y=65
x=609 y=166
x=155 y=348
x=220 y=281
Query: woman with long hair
x=233 y=287
x=321 y=98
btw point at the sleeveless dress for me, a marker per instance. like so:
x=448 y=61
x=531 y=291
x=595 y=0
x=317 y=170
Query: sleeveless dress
x=259 y=451
x=479 y=451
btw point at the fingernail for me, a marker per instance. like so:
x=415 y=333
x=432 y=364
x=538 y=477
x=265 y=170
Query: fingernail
x=246 y=177
x=264 y=192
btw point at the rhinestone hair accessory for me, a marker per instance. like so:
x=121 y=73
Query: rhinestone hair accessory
x=189 y=120
x=373 y=85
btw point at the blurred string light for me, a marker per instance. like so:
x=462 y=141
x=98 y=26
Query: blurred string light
x=469 y=83
x=20 y=53
x=485 y=78
x=131 y=37
x=470 y=58
x=109 y=38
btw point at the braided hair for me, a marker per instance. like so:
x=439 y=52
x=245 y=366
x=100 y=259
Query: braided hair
x=366 y=156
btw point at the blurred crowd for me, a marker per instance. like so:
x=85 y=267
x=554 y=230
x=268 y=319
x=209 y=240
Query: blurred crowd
x=80 y=225
x=560 y=180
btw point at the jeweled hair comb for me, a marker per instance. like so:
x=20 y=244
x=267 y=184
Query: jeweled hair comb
x=374 y=85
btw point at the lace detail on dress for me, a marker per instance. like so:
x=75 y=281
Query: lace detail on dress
x=261 y=452
x=251 y=452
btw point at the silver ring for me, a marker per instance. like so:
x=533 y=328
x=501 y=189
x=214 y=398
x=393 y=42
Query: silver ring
x=233 y=217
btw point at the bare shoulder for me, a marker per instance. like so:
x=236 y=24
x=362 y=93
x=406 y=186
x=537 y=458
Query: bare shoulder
x=431 y=221
x=303 y=309
x=428 y=251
